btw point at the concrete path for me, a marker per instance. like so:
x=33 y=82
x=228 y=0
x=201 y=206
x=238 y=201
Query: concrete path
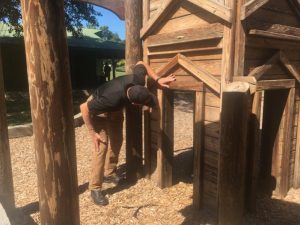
x=3 y=217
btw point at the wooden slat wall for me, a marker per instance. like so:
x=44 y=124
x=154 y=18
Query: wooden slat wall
x=275 y=12
x=294 y=140
x=207 y=55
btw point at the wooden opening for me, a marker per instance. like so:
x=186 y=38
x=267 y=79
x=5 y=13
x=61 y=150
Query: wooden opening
x=166 y=163
x=276 y=141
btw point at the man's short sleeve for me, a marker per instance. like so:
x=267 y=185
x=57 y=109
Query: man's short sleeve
x=94 y=106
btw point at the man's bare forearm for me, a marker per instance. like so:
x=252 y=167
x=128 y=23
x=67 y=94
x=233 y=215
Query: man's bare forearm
x=87 y=117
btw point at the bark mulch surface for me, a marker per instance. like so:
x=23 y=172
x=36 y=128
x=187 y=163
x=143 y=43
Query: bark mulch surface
x=142 y=202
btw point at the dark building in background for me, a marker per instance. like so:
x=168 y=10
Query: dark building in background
x=87 y=56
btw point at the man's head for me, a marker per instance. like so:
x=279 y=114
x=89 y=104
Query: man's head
x=140 y=95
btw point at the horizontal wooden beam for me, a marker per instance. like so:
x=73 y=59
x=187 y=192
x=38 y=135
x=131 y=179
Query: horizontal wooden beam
x=200 y=73
x=270 y=43
x=214 y=8
x=270 y=34
x=187 y=86
x=219 y=47
x=275 y=84
x=248 y=79
x=251 y=6
x=163 y=11
x=213 y=31
x=261 y=70
x=116 y=7
x=292 y=69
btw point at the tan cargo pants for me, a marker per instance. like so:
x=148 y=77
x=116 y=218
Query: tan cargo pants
x=105 y=159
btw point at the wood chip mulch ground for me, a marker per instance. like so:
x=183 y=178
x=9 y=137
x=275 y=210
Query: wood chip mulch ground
x=143 y=202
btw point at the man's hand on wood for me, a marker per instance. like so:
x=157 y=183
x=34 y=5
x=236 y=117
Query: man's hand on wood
x=165 y=81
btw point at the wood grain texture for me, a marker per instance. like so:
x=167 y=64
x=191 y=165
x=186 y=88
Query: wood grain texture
x=198 y=143
x=51 y=110
x=296 y=178
x=133 y=53
x=251 y=6
x=215 y=8
x=201 y=74
x=232 y=165
x=261 y=70
x=161 y=14
x=213 y=31
x=289 y=66
x=287 y=144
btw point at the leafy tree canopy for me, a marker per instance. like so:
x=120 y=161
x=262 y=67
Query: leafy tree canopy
x=75 y=14
x=108 y=35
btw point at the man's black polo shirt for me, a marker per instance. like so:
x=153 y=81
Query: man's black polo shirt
x=112 y=95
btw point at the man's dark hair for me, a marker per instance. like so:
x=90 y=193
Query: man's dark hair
x=140 y=95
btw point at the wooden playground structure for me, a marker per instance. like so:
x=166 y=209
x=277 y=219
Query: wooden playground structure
x=239 y=57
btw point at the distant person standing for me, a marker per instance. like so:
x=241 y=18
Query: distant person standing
x=107 y=70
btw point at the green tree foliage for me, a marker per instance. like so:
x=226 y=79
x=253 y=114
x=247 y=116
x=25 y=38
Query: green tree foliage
x=105 y=34
x=75 y=14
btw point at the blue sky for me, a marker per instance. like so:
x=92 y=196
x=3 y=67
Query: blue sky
x=112 y=21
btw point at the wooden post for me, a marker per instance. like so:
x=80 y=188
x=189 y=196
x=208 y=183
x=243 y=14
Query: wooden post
x=133 y=53
x=198 y=148
x=229 y=45
x=296 y=181
x=166 y=138
x=51 y=109
x=6 y=180
x=287 y=143
x=233 y=145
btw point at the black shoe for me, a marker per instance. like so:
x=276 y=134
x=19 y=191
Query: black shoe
x=98 y=198
x=114 y=179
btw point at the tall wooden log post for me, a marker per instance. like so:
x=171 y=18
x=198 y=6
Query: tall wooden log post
x=51 y=109
x=133 y=53
x=232 y=164
x=6 y=180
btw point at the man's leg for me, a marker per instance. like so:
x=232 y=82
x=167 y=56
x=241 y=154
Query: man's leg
x=115 y=134
x=98 y=155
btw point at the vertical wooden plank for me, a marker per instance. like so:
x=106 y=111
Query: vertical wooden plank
x=146 y=11
x=198 y=148
x=233 y=148
x=253 y=152
x=287 y=143
x=296 y=182
x=147 y=127
x=165 y=139
x=159 y=158
x=240 y=42
x=6 y=179
x=133 y=53
x=147 y=144
x=229 y=45
x=168 y=138
x=51 y=109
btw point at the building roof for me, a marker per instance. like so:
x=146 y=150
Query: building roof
x=89 y=39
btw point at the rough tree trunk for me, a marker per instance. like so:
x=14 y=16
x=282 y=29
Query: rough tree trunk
x=51 y=110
